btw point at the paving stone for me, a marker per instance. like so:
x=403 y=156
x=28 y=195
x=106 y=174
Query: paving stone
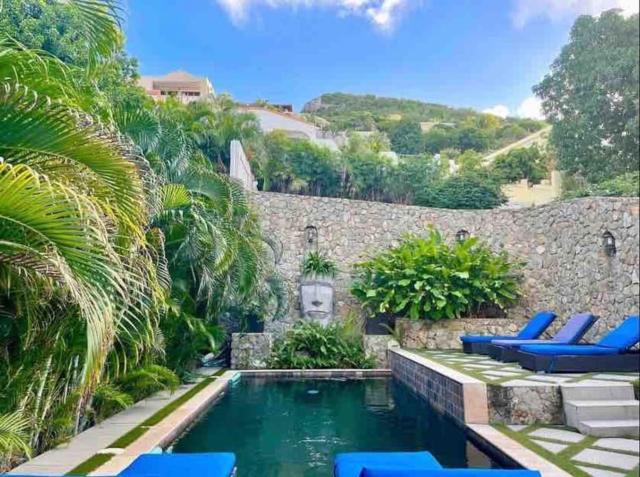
x=616 y=377
x=524 y=382
x=612 y=459
x=548 y=379
x=599 y=472
x=477 y=366
x=505 y=374
x=613 y=443
x=557 y=434
x=551 y=446
x=517 y=427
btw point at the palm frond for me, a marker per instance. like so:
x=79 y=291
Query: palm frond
x=13 y=433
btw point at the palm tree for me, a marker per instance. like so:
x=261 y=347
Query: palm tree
x=77 y=274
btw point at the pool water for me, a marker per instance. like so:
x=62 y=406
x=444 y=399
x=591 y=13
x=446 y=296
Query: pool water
x=294 y=428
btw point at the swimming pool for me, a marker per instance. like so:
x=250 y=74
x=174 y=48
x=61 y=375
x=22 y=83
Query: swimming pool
x=294 y=427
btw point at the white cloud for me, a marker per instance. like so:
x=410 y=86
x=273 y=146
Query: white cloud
x=531 y=107
x=384 y=14
x=499 y=110
x=526 y=10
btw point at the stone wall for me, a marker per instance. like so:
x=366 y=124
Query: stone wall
x=445 y=334
x=565 y=267
x=250 y=350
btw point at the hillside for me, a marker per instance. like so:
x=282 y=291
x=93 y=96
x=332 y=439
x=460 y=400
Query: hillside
x=415 y=126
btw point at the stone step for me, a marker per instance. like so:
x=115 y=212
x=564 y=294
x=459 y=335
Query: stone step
x=610 y=391
x=611 y=428
x=576 y=411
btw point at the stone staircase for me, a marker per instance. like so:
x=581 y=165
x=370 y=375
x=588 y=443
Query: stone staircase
x=602 y=411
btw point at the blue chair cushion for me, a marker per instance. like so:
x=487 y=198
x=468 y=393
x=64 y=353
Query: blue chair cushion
x=570 y=333
x=218 y=464
x=380 y=472
x=351 y=464
x=537 y=325
x=624 y=336
x=568 y=350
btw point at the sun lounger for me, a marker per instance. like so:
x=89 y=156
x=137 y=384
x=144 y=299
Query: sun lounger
x=218 y=464
x=409 y=464
x=611 y=353
x=533 y=329
x=572 y=332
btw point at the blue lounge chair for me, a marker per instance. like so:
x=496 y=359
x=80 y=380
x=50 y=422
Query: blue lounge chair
x=611 y=353
x=409 y=464
x=448 y=473
x=353 y=463
x=479 y=344
x=572 y=331
x=219 y=464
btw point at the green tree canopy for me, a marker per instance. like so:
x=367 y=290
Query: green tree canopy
x=521 y=163
x=591 y=97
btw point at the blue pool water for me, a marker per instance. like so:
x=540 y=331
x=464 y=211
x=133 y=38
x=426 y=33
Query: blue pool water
x=294 y=428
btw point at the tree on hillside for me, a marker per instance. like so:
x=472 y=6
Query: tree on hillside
x=521 y=163
x=406 y=138
x=591 y=97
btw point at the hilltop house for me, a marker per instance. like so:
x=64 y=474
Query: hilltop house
x=179 y=84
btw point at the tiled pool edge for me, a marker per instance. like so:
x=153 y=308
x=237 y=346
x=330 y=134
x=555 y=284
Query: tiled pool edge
x=459 y=396
x=167 y=430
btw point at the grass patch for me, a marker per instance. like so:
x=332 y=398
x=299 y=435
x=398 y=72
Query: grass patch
x=134 y=434
x=91 y=464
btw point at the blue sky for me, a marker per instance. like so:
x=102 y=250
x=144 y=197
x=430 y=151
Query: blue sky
x=475 y=53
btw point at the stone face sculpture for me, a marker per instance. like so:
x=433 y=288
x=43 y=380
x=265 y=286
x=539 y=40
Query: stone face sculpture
x=317 y=299
x=316 y=290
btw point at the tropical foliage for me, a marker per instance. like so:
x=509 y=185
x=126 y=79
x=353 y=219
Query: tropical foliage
x=426 y=278
x=310 y=345
x=121 y=244
x=591 y=98
x=317 y=264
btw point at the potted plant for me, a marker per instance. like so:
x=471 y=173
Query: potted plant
x=425 y=278
x=317 y=288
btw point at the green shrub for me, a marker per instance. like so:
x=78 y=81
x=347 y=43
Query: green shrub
x=424 y=277
x=108 y=400
x=148 y=380
x=625 y=185
x=463 y=192
x=316 y=264
x=309 y=345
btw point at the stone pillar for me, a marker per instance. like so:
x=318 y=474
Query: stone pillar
x=377 y=346
x=250 y=350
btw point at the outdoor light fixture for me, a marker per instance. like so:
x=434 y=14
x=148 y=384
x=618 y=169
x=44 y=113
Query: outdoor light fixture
x=462 y=235
x=609 y=243
x=311 y=236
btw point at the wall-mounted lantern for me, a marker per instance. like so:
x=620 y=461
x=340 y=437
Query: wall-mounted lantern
x=311 y=237
x=462 y=235
x=609 y=243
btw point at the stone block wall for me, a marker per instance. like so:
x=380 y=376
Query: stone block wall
x=560 y=244
x=250 y=350
x=445 y=334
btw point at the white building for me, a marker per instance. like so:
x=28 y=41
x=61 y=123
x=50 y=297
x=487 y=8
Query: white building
x=291 y=124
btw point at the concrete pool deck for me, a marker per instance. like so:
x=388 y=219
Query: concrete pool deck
x=64 y=458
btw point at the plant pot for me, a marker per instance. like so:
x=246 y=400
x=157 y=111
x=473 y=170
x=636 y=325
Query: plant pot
x=317 y=299
x=253 y=324
x=379 y=325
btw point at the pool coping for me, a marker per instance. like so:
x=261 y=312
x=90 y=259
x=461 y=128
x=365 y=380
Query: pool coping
x=169 y=428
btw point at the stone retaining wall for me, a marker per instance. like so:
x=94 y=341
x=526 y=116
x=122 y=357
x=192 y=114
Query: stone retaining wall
x=565 y=267
x=445 y=334
x=250 y=350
